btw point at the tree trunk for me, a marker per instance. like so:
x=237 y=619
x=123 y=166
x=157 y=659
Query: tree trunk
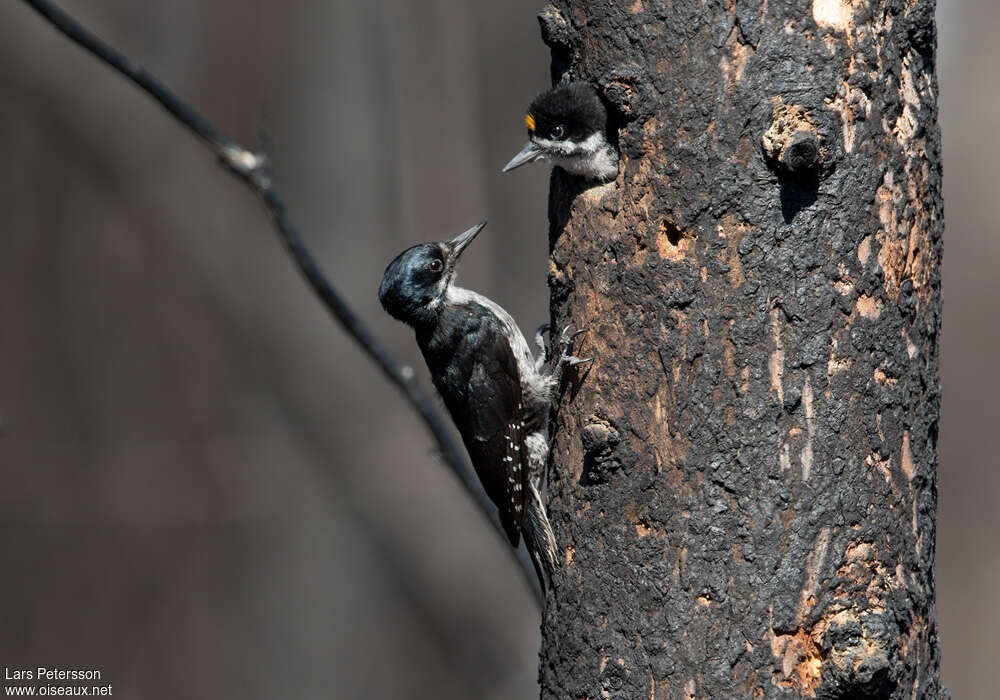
x=743 y=485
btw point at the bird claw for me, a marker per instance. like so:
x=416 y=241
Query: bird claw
x=566 y=341
x=567 y=335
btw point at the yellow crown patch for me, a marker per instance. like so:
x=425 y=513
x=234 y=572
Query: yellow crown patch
x=529 y=121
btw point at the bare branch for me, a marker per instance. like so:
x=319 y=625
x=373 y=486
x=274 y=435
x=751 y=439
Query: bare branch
x=252 y=168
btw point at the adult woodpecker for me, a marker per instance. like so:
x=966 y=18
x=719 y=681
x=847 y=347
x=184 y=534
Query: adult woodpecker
x=497 y=393
x=568 y=125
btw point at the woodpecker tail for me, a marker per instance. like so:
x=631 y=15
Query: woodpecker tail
x=539 y=538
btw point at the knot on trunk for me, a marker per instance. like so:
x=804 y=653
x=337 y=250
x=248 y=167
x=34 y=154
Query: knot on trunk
x=845 y=656
x=792 y=143
x=859 y=651
x=599 y=440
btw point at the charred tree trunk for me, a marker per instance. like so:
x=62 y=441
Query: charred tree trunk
x=744 y=480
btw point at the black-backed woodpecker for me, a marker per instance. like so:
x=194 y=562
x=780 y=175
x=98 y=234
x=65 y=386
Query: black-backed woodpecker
x=497 y=393
x=568 y=125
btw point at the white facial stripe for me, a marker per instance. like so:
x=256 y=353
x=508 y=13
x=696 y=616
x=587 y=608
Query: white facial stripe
x=550 y=146
x=593 y=143
x=565 y=147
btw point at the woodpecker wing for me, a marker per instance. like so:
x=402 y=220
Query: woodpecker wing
x=476 y=373
x=497 y=444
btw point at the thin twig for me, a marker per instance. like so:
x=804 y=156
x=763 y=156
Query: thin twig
x=252 y=169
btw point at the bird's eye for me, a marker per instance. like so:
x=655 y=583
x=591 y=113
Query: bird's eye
x=436 y=265
x=557 y=132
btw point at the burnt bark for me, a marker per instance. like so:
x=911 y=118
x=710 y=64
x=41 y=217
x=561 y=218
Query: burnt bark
x=743 y=483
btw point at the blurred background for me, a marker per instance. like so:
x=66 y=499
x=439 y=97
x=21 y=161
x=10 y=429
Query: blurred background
x=207 y=491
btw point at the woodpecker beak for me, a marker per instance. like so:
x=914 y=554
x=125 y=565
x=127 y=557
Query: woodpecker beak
x=462 y=240
x=529 y=153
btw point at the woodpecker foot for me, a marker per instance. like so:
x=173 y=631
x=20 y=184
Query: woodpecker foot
x=565 y=357
x=566 y=341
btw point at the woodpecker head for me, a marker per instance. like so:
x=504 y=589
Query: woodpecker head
x=415 y=283
x=568 y=126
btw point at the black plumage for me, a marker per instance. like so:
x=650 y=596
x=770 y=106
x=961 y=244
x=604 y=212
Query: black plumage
x=568 y=126
x=496 y=393
x=571 y=111
x=474 y=369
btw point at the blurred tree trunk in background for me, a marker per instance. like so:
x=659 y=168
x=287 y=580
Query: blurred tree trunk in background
x=744 y=481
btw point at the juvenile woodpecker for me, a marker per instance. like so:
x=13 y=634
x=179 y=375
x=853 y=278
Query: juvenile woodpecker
x=568 y=126
x=498 y=394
